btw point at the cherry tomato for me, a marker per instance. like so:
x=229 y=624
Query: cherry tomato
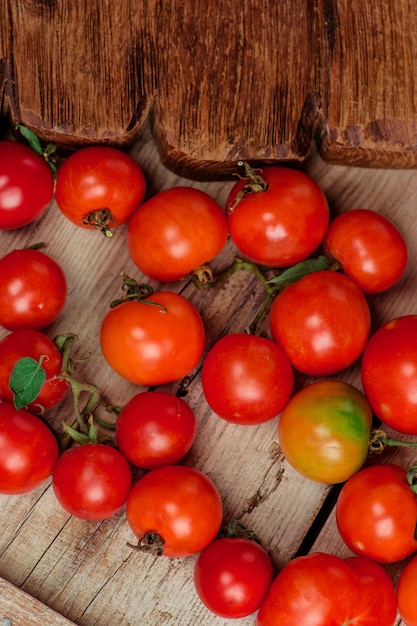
x=155 y=429
x=322 y=322
x=33 y=290
x=28 y=450
x=389 y=373
x=376 y=513
x=369 y=248
x=322 y=589
x=99 y=187
x=92 y=481
x=324 y=431
x=175 y=232
x=38 y=346
x=406 y=593
x=174 y=510
x=152 y=345
x=282 y=225
x=246 y=379
x=26 y=185
x=232 y=576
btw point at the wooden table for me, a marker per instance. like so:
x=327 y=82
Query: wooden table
x=85 y=571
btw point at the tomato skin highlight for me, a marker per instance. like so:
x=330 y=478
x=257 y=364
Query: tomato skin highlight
x=322 y=322
x=26 y=186
x=246 y=379
x=155 y=429
x=179 y=503
x=232 y=576
x=34 y=290
x=28 y=450
x=376 y=514
x=369 y=248
x=176 y=231
x=406 y=593
x=148 y=345
x=324 y=431
x=282 y=225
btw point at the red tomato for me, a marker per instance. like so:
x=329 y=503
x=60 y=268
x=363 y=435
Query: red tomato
x=155 y=429
x=282 y=225
x=28 y=450
x=322 y=322
x=175 y=232
x=33 y=290
x=232 y=576
x=389 y=373
x=406 y=593
x=99 y=187
x=324 y=431
x=376 y=513
x=175 y=510
x=26 y=185
x=152 y=345
x=36 y=345
x=369 y=248
x=246 y=379
x=324 y=590
x=92 y=481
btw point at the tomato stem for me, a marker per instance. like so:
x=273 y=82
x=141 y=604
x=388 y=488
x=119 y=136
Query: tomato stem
x=255 y=184
x=138 y=292
x=412 y=478
x=151 y=543
x=101 y=220
x=379 y=440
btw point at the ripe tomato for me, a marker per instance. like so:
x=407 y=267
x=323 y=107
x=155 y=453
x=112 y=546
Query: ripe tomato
x=38 y=346
x=322 y=322
x=34 y=290
x=175 y=510
x=175 y=232
x=92 y=481
x=232 y=576
x=321 y=589
x=99 y=187
x=152 y=345
x=324 y=431
x=406 y=593
x=369 y=248
x=28 y=450
x=246 y=379
x=26 y=185
x=376 y=513
x=282 y=225
x=389 y=373
x=155 y=429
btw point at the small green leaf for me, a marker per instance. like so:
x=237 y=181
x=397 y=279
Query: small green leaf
x=294 y=273
x=26 y=381
x=31 y=138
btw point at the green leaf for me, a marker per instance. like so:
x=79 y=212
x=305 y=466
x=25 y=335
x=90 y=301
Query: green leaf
x=31 y=138
x=26 y=381
x=294 y=273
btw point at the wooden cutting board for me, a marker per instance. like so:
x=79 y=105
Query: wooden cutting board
x=222 y=80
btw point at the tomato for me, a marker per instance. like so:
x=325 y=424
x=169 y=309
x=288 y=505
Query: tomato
x=92 y=481
x=322 y=322
x=175 y=232
x=174 y=510
x=324 y=431
x=38 y=346
x=324 y=590
x=389 y=373
x=282 y=225
x=99 y=187
x=152 y=345
x=154 y=429
x=26 y=185
x=34 y=290
x=369 y=248
x=246 y=379
x=406 y=593
x=232 y=576
x=28 y=450
x=376 y=513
